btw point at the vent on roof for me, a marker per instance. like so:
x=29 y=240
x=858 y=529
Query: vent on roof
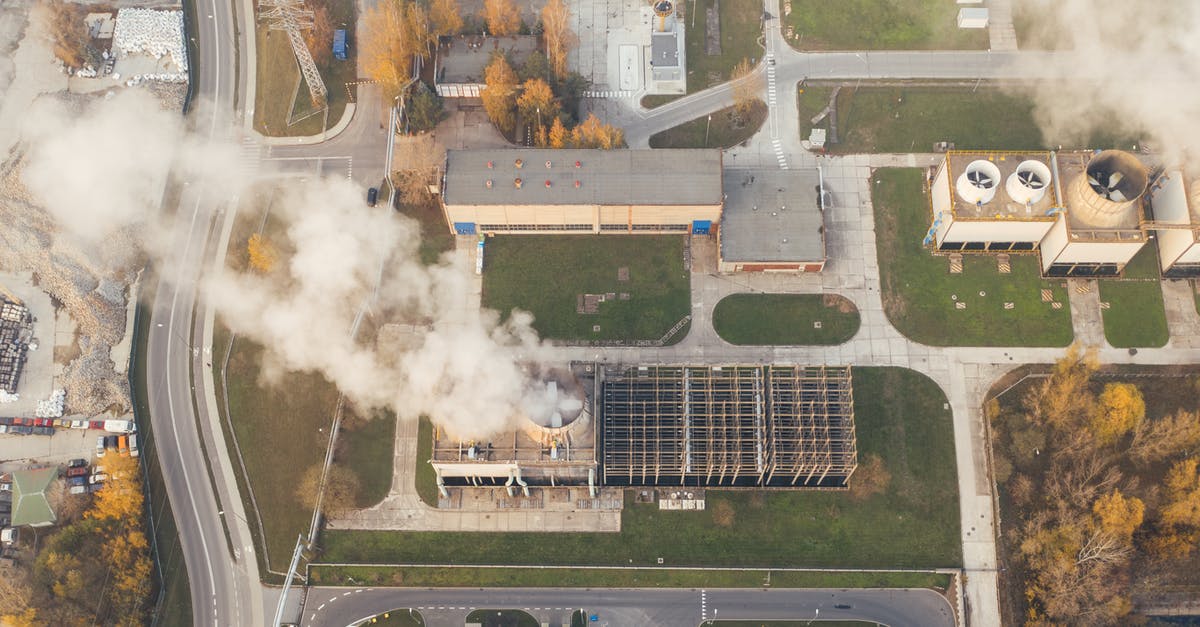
x=547 y=182
x=489 y=183
x=548 y=164
x=576 y=184
x=578 y=164
x=518 y=163
x=517 y=183
x=491 y=165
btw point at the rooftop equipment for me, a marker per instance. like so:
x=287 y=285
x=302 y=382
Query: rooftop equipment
x=977 y=184
x=1107 y=192
x=1027 y=185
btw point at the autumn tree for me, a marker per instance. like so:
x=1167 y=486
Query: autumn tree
x=1119 y=410
x=445 y=17
x=121 y=498
x=263 y=254
x=1062 y=400
x=592 y=133
x=388 y=47
x=320 y=37
x=499 y=94
x=557 y=33
x=872 y=477
x=1119 y=515
x=424 y=110
x=69 y=34
x=537 y=104
x=413 y=186
x=1181 y=489
x=420 y=30
x=746 y=87
x=1156 y=440
x=558 y=136
x=340 y=489
x=502 y=16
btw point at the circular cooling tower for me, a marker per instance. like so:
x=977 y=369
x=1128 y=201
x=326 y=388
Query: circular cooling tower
x=1106 y=193
x=1028 y=184
x=663 y=8
x=977 y=184
x=557 y=408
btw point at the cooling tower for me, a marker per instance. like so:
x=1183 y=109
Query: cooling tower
x=559 y=411
x=1106 y=194
x=977 y=184
x=1027 y=185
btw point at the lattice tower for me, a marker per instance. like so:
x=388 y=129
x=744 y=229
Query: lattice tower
x=291 y=17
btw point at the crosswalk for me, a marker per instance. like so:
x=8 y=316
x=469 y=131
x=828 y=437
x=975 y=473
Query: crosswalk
x=772 y=106
x=608 y=94
x=248 y=159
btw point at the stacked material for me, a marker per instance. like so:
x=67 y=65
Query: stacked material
x=15 y=333
x=53 y=406
x=157 y=33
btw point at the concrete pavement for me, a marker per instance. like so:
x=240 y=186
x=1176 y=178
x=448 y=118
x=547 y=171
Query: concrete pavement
x=442 y=607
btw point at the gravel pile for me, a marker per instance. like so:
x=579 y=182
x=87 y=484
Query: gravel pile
x=157 y=33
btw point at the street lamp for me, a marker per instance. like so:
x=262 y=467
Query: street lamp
x=706 y=126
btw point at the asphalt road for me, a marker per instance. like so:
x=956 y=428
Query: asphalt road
x=223 y=576
x=634 y=608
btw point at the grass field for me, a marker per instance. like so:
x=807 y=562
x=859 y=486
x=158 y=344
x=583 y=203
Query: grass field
x=786 y=319
x=276 y=99
x=501 y=577
x=741 y=30
x=1136 y=316
x=879 y=25
x=920 y=294
x=365 y=447
x=435 y=235
x=913 y=118
x=914 y=523
x=725 y=130
x=547 y=275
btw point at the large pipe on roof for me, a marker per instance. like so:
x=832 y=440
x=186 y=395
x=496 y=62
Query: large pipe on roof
x=521 y=482
x=508 y=485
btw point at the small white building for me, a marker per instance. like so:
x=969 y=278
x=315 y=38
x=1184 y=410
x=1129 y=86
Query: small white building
x=973 y=17
x=992 y=201
x=1175 y=201
x=1101 y=229
x=667 y=54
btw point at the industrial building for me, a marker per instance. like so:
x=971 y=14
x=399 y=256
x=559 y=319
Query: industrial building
x=581 y=191
x=1081 y=211
x=460 y=62
x=665 y=426
x=998 y=201
x=772 y=221
x=668 y=53
x=731 y=426
x=1175 y=201
x=555 y=444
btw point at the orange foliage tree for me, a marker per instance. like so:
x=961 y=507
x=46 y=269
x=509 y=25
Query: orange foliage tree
x=502 y=16
x=557 y=33
x=499 y=93
x=445 y=17
x=263 y=254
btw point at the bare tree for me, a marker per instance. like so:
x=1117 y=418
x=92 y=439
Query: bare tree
x=559 y=38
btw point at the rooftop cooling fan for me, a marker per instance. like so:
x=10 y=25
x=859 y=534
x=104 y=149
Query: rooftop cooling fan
x=1106 y=185
x=1030 y=179
x=980 y=179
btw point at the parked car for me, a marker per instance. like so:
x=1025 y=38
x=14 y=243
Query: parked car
x=123 y=446
x=95 y=487
x=43 y=422
x=100 y=446
x=78 y=489
x=44 y=430
x=6 y=420
x=372 y=196
x=110 y=441
x=98 y=478
x=98 y=425
x=79 y=424
x=133 y=447
x=78 y=462
x=77 y=481
x=3 y=429
x=23 y=422
x=5 y=486
x=77 y=472
x=62 y=423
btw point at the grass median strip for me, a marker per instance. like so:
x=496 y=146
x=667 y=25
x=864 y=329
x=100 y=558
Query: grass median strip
x=722 y=129
x=515 y=577
x=785 y=319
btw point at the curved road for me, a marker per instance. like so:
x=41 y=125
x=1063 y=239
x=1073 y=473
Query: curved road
x=443 y=607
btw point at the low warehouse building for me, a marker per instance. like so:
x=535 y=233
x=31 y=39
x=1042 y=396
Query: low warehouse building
x=772 y=221
x=581 y=191
x=460 y=63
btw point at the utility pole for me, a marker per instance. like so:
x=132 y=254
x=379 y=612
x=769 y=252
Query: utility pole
x=291 y=17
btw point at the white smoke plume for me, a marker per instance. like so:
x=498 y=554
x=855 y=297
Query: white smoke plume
x=465 y=369
x=1126 y=66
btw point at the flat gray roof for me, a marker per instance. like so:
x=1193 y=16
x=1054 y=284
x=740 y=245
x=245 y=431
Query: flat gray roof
x=664 y=49
x=605 y=177
x=465 y=58
x=772 y=215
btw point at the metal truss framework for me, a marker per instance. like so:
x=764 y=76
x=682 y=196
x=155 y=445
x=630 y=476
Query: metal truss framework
x=731 y=426
x=291 y=17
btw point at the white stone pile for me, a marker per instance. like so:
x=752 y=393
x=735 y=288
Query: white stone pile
x=5 y=397
x=53 y=406
x=156 y=33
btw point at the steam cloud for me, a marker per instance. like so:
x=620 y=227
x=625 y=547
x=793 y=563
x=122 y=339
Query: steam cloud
x=1136 y=65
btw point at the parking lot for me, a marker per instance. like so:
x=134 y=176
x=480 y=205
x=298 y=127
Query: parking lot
x=62 y=446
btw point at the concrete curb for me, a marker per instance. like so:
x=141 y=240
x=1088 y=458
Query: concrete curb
x=347 y=115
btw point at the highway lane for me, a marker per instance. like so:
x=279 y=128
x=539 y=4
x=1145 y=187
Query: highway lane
x=224 y=590
x=335 y=607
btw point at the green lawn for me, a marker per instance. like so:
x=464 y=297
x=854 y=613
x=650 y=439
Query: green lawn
x=879 y=25
x=900 y=416
x=725 y=130
x=435 y=236
x=517 y=577
x=365 y=447
x=920 y=294
x=426 y=478
x=547 y=275
x=1136 y=316
x=770 y=319
x=913 y=118
x=401 y=617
